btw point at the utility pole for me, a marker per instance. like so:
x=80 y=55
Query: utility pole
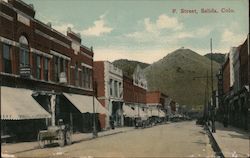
x=248 y=96
x=94 y=110
x=212 y=86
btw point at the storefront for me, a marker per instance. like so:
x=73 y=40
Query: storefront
x=85 y=105
x=129 y=115
x=21 y=116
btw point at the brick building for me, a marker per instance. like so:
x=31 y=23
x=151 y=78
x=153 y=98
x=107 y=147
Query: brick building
x=36 y=62
x=109 y=85
x=226 y=76
x=236 y=91
x=157 y=103
x=134 y=96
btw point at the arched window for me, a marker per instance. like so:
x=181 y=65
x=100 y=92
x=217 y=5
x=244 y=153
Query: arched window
x=24 y=51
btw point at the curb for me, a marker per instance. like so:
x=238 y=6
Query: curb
x=78 y=141
x=214 y=143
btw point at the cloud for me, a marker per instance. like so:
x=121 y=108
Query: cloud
x=163 y=22
x=98 y=29
x=230 y=38
x=166 y=22
x=143 y=55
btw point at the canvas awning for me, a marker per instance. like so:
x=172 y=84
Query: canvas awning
x=128 y=111
x=18 y=104
x=142 y=113
x=155 y=112
x=162 y=113
x=84 y=103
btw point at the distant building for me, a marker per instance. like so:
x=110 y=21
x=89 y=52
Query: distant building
x=109 y=83
x=156 y=101
x=226 y=76
x=134 y=95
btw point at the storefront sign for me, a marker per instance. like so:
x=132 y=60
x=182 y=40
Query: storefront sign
x=25 y=71
x=63 y=78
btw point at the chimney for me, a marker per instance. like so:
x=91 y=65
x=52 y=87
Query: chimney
x=49 y=24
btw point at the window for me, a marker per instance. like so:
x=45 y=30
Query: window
x=56 y=68
x=111 y=87
x=87 y=77
x=76 y=74
x=120 y=89
x=38 y=67
x=116 y=88
x=7 y=59
x=90 y=79
x=24 y=52
x=46 y=69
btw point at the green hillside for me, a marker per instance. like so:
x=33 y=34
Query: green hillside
x=218 y=57
x=176 y=73
x=128 y=66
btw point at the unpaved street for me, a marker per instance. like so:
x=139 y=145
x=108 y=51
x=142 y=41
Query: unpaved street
x=168 y=140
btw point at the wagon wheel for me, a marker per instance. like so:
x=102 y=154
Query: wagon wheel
x=61 y=138
x=41 y=142
x=68 y=138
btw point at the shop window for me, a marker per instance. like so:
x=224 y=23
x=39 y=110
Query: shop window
x=7 y=59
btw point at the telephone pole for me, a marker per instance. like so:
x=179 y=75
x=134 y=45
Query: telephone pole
x=212 y=86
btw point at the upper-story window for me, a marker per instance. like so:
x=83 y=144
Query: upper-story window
x=38 y=67
x=56 y=68
x=76 y=74
x=110 y=87
x=86 y=77
x=24 y=51
x=116 y=88
x=46 y=69
x=120 y=90
x=7 y=59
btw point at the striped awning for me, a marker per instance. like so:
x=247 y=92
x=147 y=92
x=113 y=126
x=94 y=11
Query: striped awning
x=162 y=113
x=84 y=103
x=18 y=104
x=128 y=111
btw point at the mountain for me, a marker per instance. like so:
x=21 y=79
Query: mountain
x=182 y=76
x=218 y=57
x=128 y=66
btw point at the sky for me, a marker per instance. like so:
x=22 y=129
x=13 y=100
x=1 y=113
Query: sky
x=147 y=30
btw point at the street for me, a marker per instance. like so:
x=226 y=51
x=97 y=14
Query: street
x=169 y=140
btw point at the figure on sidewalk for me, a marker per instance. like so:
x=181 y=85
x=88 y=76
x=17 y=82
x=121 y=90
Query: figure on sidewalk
x=111 y=121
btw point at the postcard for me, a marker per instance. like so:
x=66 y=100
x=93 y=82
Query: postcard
x=124 y=78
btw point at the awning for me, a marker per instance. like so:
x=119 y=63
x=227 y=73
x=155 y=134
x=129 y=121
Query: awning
x=84 y=103
x=162 y=113
x=142 y=113
x=128 y=111
x=155 y=112
x=18 y=104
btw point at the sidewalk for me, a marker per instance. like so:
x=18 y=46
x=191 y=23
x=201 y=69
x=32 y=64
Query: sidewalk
x=232 y=141
x=27 y=146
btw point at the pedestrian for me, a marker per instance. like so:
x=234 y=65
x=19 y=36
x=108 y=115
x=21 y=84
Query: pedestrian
x=111 y=121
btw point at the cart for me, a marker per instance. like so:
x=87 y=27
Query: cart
x=60 y=133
